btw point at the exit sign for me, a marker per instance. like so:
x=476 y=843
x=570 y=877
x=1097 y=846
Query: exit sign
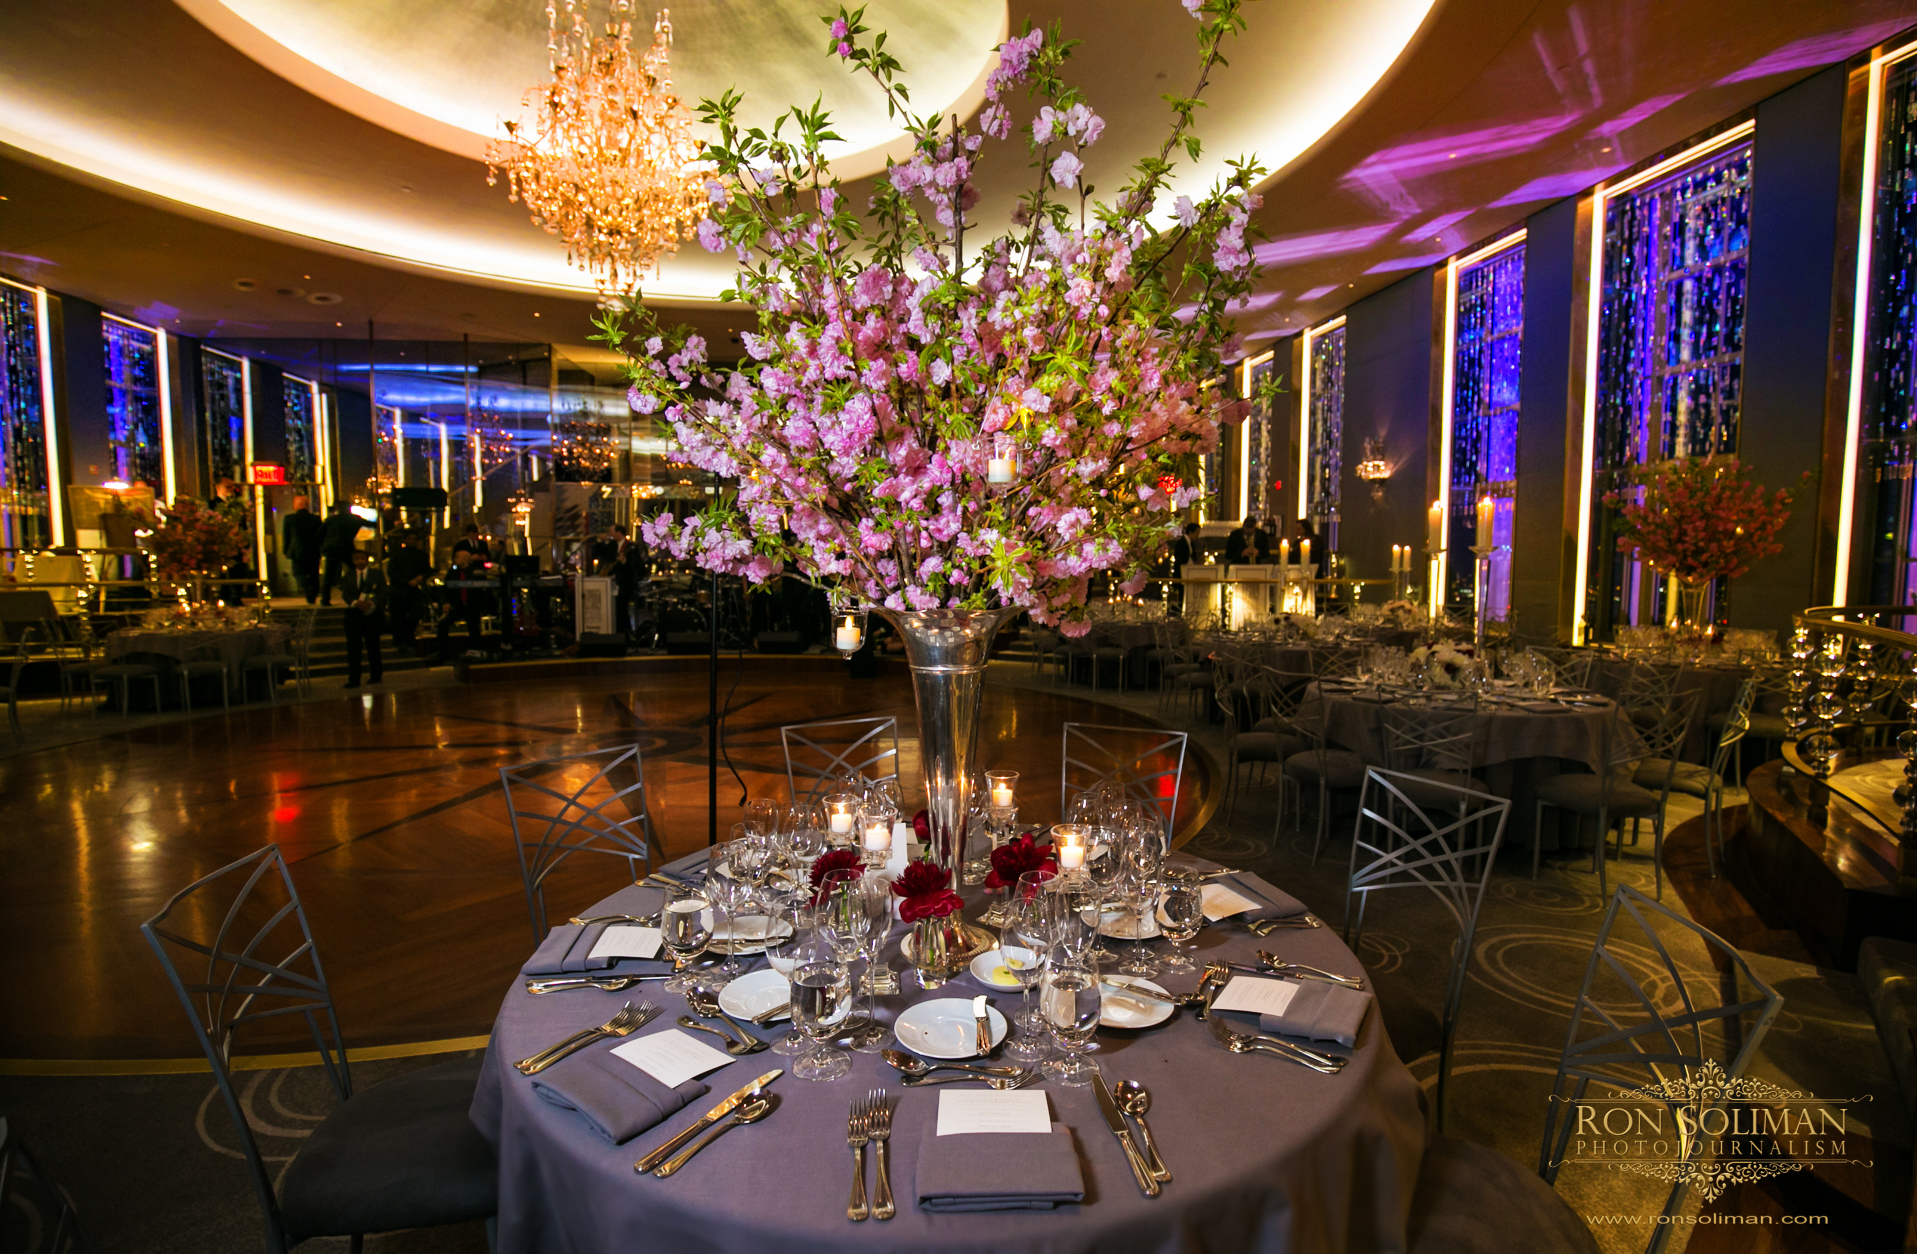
x=269 y=473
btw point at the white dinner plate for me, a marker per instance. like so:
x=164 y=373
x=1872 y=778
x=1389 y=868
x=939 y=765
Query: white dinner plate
x=1116 y=1010
x=743 y=935
x=944 y=1028
x=1123 y=925
x=755 y=993
x=986 y=969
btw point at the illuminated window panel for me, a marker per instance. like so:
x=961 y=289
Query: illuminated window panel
x=1488 y=347
x=1670 y=353
x=1262 y=455
x=1325 y=409
x=302 y=426
x=1886 y=546
x=24 y=518
x=133 y=404
x=222 y=417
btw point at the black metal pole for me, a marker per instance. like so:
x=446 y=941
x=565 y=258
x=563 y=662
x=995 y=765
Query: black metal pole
x=712 y=715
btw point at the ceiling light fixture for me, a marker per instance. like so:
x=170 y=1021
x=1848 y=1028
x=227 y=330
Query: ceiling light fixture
x=608 y=164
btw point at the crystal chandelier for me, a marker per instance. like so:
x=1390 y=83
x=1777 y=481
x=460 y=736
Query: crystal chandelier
x=608 y=164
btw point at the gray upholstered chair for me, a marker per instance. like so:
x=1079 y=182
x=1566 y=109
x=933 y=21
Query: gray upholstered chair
x=238 y=952
x=592 y=803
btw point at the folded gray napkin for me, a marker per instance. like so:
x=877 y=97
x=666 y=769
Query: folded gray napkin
x=618 y=1100
x=564 y=951
x=1321 y=1012
x=1279 y=904
x=998 y=1171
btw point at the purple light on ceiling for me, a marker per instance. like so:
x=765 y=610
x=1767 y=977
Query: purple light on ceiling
x=157 y=312
x=1320 y=243
x=1396 y=264
x=1555 y=186
x=1426 y=155
x=1436 y=226
x=1635 y=114
x=1317 y=293
x=1815 y=51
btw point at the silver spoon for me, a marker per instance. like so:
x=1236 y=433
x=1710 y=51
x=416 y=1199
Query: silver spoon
x=750 y=1112
x=906 y=1064
x=708 y=1007
x=1135 y=1100
x=609 y=983
x=736 y=1048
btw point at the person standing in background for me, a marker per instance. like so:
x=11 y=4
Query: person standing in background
x=407 y=569
x=1184 y=551
x=337 y=535
x=364 y=587
x=300 y=541
x=1242 y=544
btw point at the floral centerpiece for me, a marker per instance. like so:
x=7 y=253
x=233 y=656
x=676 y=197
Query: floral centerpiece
x=924 y=892
x=1018 y=855
x=191 y=541
x=949 y=429
x=1444 y=664
x=1698 y=521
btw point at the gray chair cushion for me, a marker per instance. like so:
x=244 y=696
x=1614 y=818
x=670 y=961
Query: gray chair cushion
x=1262 y=747
x=1584 y=794
x=1689 y=778
x=1770 y=727
x=1888 y=971
x=1340 y=768
x=401 y=1154
x=1474 y=1200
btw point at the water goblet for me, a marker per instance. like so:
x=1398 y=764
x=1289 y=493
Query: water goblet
x=1181 y=915
x=1025 y=944
x=821 y=999
x=1071 y=1006
x=871 y=895
x=684 y=931
x=789 y=922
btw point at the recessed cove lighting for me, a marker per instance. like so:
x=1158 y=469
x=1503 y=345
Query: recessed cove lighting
x=324 y=298
x=246 y=285
x=293 y=293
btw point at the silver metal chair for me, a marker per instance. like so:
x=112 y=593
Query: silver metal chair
x=1253 y=701
x=1147 y=763
x=36 y=1215
x=1402 y=840
x=293 y=661
x=819 y=755
x=1611 y=793
x=238 y=952
x=120 y=677
x=1640 y=1021
x=1707 y=782
x=1318 y=766
x=550 y=824
x=22 y=657
x=199 y=663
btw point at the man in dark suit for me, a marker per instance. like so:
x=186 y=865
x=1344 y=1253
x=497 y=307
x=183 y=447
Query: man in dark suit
x=1184 y=550
x=300 y=541
x=407 y=569
x=364 y=587
x=337 y=535
x=1241 y=546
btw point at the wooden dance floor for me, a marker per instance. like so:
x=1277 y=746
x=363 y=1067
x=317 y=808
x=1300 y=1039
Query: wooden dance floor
x=390 y=811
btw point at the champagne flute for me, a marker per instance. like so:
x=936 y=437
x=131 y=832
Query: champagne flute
x=1181 y=915
x=820 y=1001
x=729 y=888
x=1025 y=943
x=1071 y=1005
x=872 y=896
x=683 y=928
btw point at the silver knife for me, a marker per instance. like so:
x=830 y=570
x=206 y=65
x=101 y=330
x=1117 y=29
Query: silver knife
x=1121 y=1130
x=984 y=1025
x=706 y=1120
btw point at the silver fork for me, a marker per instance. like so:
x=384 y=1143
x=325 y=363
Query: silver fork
x=1018 y=1081
x=628 y=1020
x=881 y=1129
x=857 y=1131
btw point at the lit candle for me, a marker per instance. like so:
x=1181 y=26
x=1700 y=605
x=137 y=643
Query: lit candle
x=1069 y=840
x=878 y=834
x=839 y=813
x=1486 y=517
x=848 y=638
x=1434 y=528
x=1304 y=553
x=998 y=470
x=1284 y=553
x=1001 y=796
x=1002 y=788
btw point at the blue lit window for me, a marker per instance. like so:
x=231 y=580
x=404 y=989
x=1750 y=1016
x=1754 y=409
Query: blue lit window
x=1886 y=544
x=302 y=462
x=1257 y=428
x=24 y=521
x=223 y=417
x=133 y=403
x=1326 y=414
x=1670 y=352
x=1488 y=345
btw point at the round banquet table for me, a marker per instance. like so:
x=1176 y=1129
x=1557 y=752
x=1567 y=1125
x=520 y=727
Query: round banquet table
x=234 y=645
x=1513 y=747
x=1266 y=1156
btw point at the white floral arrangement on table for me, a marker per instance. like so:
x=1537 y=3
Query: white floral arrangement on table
x=1444 y=664
x=1402 y=613
x=926 y=419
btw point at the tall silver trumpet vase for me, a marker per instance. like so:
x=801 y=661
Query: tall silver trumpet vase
x=947 y=650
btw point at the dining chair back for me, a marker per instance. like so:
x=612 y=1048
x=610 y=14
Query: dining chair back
x=1403 y=840
x=1146 y=763
x=238 y=950
x=202 y=661
x=1680 y=1032
x=36 y=1214
x=820 y=755
x=592 y=803
x=23 y=656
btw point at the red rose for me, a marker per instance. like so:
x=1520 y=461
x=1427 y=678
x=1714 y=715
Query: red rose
x=922 y=827
x=833 y=860
x=1017 y=856
x=926 y=892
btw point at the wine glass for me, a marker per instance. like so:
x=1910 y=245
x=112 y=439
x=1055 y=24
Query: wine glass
x=788 y=921
x=1138 y=893
x=872 y=896
x=1025 y=944
x=684 y=931
x=1074 y=907
x=805 y=836
x=821 y=998
x=763 y=812
x=729 y=888
x=1071 y=1007
x=1181 y=915
x=1103 y=865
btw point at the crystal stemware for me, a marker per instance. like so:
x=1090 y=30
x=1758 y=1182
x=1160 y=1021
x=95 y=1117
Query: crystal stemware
x=1181 y=915
x=1071 y=1006
x=821 y=999
x=684 y=931
x=1025 y=943
x=789 y=920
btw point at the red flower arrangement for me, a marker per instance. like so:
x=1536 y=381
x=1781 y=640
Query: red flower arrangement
x=1017 y=856
x=189 y=539
x=925 y=892
x=829 y=861
x=1701 y=520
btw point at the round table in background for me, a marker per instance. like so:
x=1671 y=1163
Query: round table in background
x=1266 y=1155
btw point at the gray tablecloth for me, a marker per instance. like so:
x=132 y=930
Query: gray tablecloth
x=1715 y=686
x=234 y=646
x=1268 y=1156
x=1503 y=733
